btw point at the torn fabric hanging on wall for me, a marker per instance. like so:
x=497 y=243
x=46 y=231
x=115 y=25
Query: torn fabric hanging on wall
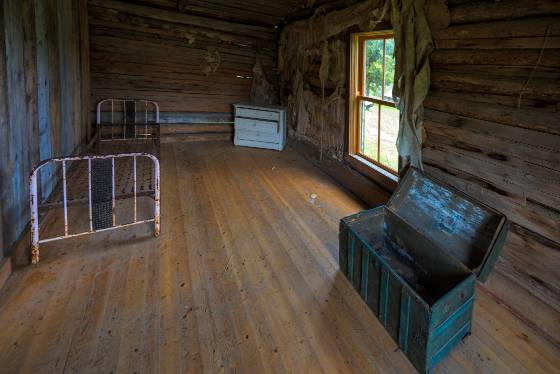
x=413 y=46
x=313 y=61
x=212 y=61
x=262 y=92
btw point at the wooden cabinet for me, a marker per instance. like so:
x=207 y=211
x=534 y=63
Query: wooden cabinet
x=260 y=126
x=415 y=263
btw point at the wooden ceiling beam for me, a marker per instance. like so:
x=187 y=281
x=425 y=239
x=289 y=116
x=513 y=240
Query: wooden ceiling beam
x=259 y=32
x=326 y=5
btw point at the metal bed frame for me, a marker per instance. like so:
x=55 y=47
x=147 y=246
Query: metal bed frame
x=128 y=132
x=133 y=123
x=121 y=188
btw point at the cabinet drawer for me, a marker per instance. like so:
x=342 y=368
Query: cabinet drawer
x=257 y=114
x=256 y=135
x=247 y=124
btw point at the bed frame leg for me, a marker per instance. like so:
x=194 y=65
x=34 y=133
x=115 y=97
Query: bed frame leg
x=157 y=197
x=34 y=217
x=156 y=228
x=35 y=254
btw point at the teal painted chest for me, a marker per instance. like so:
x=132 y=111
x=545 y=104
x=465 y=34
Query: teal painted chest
x=415 y=262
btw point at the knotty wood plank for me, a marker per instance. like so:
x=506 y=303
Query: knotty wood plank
x=487 y=11
x=84 y=338
x=536 y=42
x=170 y=129
x=491 y=145
x=461 y=82
x=185 y=19
x=494 y=192
x=521 y=57
x=103 y=20
x=279 y=315
x=505 y=327
x=462 y=111
x=511 y=28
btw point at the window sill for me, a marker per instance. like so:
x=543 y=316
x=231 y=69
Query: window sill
x=379 y=175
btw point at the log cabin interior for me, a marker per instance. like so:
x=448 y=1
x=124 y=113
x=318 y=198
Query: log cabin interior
x=198 y=186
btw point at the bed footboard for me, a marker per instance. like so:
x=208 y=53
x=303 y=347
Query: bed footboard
x=104 y=187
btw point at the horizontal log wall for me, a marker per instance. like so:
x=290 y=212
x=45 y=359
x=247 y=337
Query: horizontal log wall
x=493 y=125
x=43 y=96
x=252 y=12
x=195 y=67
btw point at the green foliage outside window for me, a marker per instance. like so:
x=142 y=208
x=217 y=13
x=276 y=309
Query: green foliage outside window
x=379 y=121
x=374 y=67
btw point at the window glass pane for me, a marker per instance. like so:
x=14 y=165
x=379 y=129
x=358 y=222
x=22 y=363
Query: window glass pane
x=389 y=69
x=373 y=79
x=379 y=121
x=369 y=113
x=389 y=131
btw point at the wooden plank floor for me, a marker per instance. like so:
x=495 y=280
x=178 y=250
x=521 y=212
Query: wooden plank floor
x=243 y=279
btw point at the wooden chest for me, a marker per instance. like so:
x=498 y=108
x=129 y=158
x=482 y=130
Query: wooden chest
x=260 y=126
x=415 y=263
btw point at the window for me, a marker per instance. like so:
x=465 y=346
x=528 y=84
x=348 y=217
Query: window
x=374 y=116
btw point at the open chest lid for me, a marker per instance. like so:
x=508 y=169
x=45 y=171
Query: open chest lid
x=467 y=229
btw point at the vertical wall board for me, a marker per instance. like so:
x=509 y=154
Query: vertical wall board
x=43 y=96
x=53 y=72
x=14 y=210
x=67 y=133
x=85 y=68
x=41 y=107
x=69 y=74
x=74 y=36
x=31 y=135
x=3 y=131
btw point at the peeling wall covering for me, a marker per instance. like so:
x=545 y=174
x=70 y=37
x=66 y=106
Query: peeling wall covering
x=312 y=62
x=212 y=61
x=262 y=91
x=413 y=46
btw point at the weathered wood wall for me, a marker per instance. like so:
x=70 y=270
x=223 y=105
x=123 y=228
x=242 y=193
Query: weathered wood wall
x=314 y=61
x=250 y=12
x=195 y=67
x=493 y=127
x=3 y=127
x=44 y=96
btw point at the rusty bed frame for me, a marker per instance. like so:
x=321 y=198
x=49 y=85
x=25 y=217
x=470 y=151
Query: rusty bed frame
x=133 y=144
x=132 y=123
